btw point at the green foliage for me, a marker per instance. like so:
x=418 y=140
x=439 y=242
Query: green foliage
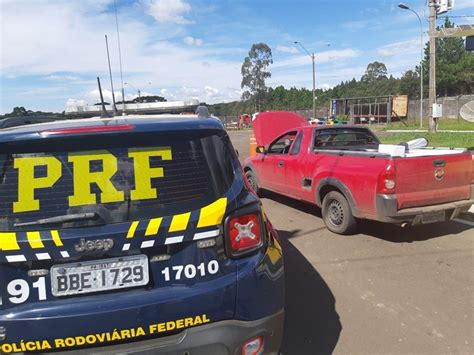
x=410 y=84
x=21 y=111
x=440 y=139
x=255 y=71
x=454 y=65
x=455 y=76
x=141 y=99
x=375 y=71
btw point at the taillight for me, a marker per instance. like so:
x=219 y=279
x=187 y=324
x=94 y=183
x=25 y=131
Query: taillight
x=88 y=129
x=244 y=233
x=386 y=182
x=253 y=346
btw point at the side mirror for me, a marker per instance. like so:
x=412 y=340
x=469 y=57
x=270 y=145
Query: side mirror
x=261 y=149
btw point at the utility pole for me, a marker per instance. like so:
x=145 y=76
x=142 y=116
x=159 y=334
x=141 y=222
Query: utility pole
x=312 y=56
x=314 y=86
x=432 y=82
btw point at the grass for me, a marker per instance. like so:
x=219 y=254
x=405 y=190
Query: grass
x=443 y=124
x=440 y=139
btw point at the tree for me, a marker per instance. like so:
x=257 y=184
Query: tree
x=454 y=70
x=410 y=84
x=255 y=71
x=19 y=111
x=375 y=71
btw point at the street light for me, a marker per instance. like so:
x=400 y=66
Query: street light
x=405 y=7
x=314 y=77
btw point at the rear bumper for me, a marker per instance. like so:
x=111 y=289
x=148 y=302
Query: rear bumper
x=224 y=337
x=387 y=210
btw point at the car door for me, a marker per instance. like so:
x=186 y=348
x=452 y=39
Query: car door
x=272 y=167
x=294 y=165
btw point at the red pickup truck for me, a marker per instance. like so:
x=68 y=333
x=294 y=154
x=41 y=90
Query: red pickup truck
x=343 y=170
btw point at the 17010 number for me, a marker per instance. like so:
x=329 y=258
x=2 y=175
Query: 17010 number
x=190 y=271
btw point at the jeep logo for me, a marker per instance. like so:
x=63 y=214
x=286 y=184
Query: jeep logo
x=93 y=245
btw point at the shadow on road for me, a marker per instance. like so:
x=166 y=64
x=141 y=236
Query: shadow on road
x=312 y=324
x=385 y=231
x=395 y=234
x=296 y=204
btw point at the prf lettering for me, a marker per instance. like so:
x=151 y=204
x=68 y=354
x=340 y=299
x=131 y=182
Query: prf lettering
x=84 y=178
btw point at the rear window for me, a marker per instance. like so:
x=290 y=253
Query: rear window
x=344 y=138
x=117 y=180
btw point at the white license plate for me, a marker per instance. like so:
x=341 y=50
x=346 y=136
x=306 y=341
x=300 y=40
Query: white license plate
x=433 y=217
x=99 y=275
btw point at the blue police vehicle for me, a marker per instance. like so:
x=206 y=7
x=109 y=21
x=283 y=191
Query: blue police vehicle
x=134 y=235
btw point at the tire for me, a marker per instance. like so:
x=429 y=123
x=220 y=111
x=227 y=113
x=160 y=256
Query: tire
x=337 y=214
x=253 y=182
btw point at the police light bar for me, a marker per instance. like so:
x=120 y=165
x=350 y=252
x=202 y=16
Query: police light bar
x=89 y=129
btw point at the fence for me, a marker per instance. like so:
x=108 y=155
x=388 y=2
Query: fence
x=451 y=106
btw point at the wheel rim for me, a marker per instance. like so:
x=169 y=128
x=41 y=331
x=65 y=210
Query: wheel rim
x=335 y=213
x=252 y=182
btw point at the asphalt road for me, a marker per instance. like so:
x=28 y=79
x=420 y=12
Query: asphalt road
x=384 y=290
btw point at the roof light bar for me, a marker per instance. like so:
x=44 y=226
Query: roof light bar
x=90 y=129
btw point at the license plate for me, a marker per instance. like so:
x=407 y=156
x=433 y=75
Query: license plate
x=433 y=217
x=99 y=275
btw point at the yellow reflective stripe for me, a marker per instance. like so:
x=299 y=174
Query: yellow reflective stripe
x=34 y=238
x=212 y=214
x=180 y=222
x=273 y=254
x=153 y=226
x=8 y=241
x=56 y=238
x=133 y=228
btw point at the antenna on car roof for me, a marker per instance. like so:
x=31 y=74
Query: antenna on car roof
x=104 y=111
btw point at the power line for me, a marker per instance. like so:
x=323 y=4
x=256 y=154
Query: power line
x=458 y=16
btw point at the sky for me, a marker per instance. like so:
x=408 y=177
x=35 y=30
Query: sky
x=51 y=51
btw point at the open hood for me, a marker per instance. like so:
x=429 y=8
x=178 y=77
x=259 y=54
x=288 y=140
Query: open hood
x=269 y=125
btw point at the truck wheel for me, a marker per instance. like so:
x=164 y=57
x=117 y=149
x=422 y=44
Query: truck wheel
x=337 y=214
x=252 y=179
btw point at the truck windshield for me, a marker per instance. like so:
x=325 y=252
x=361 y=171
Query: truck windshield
x=117 y=181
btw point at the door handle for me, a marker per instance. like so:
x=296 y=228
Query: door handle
x=281 y=164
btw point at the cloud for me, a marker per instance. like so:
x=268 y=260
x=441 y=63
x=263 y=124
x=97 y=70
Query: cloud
x=191 y=41
x=463 y=4
x=62 y=77
x=286 y=49
x=400 y=48
x=169 y=11
x=355 y=25
x=322 y=57
x=93 y=96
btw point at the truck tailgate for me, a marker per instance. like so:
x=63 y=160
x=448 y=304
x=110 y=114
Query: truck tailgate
x=430 y=180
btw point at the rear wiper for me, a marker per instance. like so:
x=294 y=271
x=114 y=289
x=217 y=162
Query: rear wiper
x=59 y=219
